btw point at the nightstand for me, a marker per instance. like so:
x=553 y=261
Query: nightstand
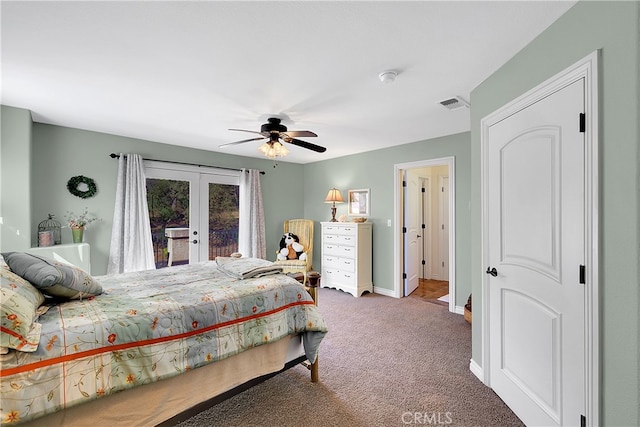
x=313 y=283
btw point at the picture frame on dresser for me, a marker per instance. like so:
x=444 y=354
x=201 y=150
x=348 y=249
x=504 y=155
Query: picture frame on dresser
x=359 y=202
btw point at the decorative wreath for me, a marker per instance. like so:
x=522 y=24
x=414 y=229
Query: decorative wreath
x=74 y=182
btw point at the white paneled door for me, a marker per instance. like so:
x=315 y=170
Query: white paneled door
x=535 y=232
x=444 y=228
x=411 y=229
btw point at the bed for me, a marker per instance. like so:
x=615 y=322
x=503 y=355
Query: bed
x=163 y=340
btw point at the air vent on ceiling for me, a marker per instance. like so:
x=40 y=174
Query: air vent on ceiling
x=454 y=103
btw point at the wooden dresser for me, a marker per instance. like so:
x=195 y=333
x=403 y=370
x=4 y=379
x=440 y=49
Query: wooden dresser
x=346 y=257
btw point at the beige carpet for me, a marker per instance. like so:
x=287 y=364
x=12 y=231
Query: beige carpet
x=385 y=362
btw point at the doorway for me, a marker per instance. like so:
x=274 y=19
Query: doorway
x=424 y=252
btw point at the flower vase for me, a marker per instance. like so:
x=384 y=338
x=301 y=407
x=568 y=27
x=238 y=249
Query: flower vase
x=77 y=233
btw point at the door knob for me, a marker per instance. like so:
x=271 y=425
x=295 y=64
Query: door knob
x=492 y=272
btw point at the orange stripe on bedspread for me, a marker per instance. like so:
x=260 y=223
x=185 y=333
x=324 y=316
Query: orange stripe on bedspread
x=95 y=351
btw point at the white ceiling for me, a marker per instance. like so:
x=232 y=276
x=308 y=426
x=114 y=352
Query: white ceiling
x=185 y=72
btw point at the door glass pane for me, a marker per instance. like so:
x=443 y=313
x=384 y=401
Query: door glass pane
x=223 y=219
x=168 y=202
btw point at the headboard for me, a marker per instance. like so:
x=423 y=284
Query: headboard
x=77 y=254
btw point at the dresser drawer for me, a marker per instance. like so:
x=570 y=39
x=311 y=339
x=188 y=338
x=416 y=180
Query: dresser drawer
x=346 y=251
x=329 y=276
x=330 y=229
x=345 y=277
x=332 y=277
x=331 y=238
x=346 y=239
x=348 y=230
x=346 y=264
x=339 y=229
x=330 y=261
x=331 y=249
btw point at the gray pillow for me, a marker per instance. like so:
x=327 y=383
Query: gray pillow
x=52 y=277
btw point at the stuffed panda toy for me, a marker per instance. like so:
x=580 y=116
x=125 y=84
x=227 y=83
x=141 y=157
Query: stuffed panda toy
x=290 y=248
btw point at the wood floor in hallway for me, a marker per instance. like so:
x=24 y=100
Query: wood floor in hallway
x=431 y=290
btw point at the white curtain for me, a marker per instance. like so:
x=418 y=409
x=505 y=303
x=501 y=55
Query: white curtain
x=251 y=234
x=131 y=245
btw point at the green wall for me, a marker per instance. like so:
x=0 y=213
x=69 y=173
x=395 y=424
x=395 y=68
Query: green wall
x=15 y=178
x=611 y=27
x=374 y=170
x=60 y=153
x=289 y=191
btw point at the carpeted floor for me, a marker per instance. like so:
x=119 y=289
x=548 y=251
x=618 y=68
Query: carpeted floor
x=385 y=362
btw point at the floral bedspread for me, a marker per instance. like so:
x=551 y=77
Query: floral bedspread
x=148 y=326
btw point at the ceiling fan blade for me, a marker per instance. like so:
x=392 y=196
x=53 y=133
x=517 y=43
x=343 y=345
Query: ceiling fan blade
x=299 y=133
x=239 y=142
x=250 y=131
x=305 y=144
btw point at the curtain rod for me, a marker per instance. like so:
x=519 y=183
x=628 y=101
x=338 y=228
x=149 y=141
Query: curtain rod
x=117 y=156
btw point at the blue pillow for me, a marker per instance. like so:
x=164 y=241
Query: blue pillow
x=52 y=277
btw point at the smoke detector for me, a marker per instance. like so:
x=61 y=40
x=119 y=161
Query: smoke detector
x=454 y=103
x=388 y=76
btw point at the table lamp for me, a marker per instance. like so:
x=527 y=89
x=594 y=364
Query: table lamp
x=334 y=197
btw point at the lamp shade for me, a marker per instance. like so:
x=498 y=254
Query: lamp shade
x=334 y=196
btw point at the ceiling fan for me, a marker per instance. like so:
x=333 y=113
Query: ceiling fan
x=273 y=132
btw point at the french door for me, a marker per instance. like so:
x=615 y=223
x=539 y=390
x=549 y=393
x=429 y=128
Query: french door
x=193 y=212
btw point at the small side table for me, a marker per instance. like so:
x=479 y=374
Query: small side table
x=313 y=284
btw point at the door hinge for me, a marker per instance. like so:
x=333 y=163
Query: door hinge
x=443 y=263
x=424 y=190
x=404 y=275
x=442 y=190
x=582 y=275
x=424 y=226
x=583 y=421
x=583 y=122
x=404 y=183
x=424 y=262
x=404 y=230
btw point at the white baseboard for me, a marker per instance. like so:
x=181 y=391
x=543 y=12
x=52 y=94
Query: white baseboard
x=459 y=310
x=476 y=370
x=384 y=291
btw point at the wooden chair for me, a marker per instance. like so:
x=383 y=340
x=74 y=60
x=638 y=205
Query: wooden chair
x=303 y=228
